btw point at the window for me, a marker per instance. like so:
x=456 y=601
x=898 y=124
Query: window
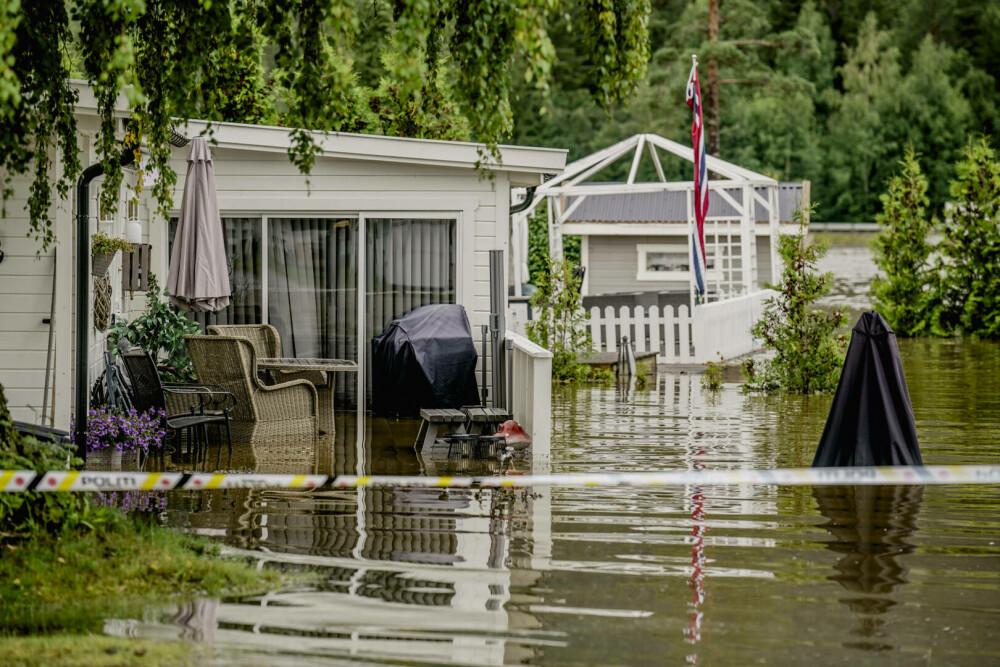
x=670 y=261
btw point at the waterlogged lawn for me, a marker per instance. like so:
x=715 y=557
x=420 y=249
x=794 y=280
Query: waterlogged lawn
x=71 y=584
x=87 y=650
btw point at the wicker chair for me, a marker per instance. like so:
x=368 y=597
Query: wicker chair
x=231 y=361
x=267 y=343
x=188 y=407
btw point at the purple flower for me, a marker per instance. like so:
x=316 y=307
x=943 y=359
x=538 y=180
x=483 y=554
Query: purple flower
x=132 y=431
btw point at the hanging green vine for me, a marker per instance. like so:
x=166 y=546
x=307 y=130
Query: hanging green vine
x=447 y=75
x=36 y=108
x=108 y=57
x=619 y=40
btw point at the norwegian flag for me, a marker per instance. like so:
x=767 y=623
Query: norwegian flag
x=700 y=179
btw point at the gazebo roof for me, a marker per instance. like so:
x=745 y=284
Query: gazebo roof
x=576 y=173
x=671 y=206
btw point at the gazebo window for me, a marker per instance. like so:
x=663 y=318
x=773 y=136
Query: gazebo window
x=670 y=261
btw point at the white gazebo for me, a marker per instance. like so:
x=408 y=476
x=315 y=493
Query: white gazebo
x=636 y=239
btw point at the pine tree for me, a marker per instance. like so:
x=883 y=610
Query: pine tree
x=901 y=253
x=808 y=351
x=971 y=248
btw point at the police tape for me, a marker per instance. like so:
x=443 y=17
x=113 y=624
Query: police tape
x=54 y=481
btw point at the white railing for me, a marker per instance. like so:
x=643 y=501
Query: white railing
x=531 y=392
x=723 y=328
x=666 y=332
x=716 y=329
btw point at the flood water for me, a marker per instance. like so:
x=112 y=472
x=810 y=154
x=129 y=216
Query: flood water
x=617 y=576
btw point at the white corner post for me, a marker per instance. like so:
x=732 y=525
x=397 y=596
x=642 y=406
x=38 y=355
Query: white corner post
x=775 y=229
x=689 y=202
x=746 y=238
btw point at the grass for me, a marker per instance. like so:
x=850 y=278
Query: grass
x=71 y=584
x=87 y=650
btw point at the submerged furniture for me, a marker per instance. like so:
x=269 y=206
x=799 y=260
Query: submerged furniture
x=285 y=367
x=267 y=344
x=475 y=421
x=188 y=407
x=288 y=408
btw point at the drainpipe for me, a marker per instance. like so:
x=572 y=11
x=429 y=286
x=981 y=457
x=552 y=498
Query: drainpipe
x=83 y=293
x=528 y=197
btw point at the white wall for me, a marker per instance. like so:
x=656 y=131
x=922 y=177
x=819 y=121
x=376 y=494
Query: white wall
x=25 y=300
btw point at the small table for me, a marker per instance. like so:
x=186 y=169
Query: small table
x=297 y=364
x=292 y=364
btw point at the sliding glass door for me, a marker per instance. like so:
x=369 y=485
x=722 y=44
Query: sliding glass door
x=312 y=288
x=409 y=262
x=302 y=274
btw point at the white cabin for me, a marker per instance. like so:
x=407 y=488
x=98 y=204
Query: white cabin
x=405 y=221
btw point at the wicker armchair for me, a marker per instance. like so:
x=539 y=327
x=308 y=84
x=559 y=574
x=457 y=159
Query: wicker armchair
x=289 y=408
x=267 y=343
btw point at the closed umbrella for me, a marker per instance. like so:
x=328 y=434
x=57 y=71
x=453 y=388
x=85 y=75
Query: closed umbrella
x=199 y=276
x=871 y=420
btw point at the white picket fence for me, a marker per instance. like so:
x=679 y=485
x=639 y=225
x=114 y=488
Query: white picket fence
x=678 y=337
x=666 y=331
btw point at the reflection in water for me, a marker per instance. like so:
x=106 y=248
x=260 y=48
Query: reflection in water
x=697 y=580
x=871 y=525
x=601 y=576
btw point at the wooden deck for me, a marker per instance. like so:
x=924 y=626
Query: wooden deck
x=608 y=360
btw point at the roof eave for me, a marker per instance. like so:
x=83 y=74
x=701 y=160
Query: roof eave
x=349 y=146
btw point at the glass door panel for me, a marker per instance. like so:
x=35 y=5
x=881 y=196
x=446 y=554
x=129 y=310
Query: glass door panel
x=312 y=292
x=409 y=263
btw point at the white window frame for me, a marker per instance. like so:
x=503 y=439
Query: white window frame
x=644 y=249
x=644 y=275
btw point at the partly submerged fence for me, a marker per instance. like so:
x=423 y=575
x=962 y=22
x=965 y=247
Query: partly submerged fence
x=677 y=336
x=530 y=388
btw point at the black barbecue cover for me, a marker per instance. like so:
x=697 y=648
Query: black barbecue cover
x=871 y=419
x=425 y=359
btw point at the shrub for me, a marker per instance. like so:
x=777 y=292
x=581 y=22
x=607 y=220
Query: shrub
x=31 y=512
x=712 y=377
x=160 y=331
x=560 y=324
x=808 y=351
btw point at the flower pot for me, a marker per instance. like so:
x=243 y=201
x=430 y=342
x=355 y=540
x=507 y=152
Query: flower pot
x=101 y=263
x=130 y=460
x=109 y=458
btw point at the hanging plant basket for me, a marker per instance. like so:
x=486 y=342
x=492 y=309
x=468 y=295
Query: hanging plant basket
x=102 y=262
x=130 y=460
x=109 y=458
x=102 y=302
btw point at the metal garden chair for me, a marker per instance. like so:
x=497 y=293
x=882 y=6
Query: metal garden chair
x=188 y=407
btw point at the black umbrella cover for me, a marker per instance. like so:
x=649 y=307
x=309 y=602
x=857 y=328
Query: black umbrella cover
x=871 y=420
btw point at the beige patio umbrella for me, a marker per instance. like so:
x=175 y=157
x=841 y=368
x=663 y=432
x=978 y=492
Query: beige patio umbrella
x=199 y=276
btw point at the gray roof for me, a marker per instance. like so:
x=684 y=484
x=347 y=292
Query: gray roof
x=671 y=207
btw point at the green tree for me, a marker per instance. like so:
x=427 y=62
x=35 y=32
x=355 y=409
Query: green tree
x=808 y=351
x=903 y=292
x=871 y=76
x=971 y=246
x=559 y=325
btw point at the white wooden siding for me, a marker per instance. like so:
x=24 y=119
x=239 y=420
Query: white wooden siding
x=248 y=182
x=612 y=264
x=25 y=301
